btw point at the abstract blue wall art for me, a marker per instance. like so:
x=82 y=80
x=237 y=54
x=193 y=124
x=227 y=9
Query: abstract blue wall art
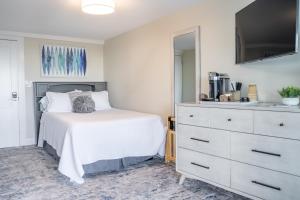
x=58 y=61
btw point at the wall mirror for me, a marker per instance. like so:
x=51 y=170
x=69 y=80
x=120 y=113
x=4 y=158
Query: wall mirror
x=186 y=66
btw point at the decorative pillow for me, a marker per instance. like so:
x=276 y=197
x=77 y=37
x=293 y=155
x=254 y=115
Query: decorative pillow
x=74 y=95
x=44 y=104
x=83 y=104
x=101 y=100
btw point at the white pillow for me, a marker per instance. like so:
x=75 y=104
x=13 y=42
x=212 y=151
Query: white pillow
x=101 y=100
x=58 y=102
x=44 y=102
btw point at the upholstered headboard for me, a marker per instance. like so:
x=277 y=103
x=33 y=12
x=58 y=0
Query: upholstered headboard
x=40 y=89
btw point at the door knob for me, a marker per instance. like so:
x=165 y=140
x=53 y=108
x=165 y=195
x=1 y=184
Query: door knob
x=14 y=95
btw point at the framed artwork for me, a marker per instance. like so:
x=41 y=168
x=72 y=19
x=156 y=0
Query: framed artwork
x=59 y=61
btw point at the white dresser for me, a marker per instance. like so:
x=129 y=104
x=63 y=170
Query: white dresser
x=250 y=150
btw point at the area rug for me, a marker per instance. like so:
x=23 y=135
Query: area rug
x=29 y=173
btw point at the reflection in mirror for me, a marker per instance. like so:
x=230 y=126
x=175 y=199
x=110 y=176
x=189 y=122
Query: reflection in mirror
x=184 y=68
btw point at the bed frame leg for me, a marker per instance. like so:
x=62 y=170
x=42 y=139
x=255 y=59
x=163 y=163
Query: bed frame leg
x=182 y=178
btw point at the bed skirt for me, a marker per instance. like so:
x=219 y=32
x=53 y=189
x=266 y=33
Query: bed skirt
x=102 y=165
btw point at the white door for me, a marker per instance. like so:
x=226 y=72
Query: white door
x=9 y=112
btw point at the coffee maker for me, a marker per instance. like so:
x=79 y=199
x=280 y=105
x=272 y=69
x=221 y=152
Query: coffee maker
x=218 y=85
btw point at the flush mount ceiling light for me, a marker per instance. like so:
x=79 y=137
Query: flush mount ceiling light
x=98 y=7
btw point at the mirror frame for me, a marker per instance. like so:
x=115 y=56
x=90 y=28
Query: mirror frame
x=195 y=30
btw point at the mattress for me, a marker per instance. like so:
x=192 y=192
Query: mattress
x=82 y=139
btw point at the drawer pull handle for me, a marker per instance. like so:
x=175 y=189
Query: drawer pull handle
x=229 y=120
x=199 y=140
x=266 y=185
x=281 y=124
x=267 y=153
x=198 y=165
x=191 y=116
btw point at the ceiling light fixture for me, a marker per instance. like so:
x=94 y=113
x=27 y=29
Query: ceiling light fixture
x=98 y=7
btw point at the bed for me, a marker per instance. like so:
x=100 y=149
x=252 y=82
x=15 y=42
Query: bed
x=105 y=140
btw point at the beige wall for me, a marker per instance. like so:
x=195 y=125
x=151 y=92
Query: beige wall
x=188 y=76
x=137 y=64
x=32 y=55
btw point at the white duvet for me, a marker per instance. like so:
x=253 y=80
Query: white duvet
x=81 y=139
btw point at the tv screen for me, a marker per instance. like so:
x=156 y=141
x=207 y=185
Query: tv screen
x=266 y=28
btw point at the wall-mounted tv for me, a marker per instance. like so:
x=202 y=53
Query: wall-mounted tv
x=266 y=28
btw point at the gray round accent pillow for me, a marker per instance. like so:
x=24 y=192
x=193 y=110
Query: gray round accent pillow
x=83 y=104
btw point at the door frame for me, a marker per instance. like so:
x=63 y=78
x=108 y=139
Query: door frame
x=196 y=30
x=23 y=140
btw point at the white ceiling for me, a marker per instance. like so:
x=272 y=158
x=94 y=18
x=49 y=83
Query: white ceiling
x=64 y=17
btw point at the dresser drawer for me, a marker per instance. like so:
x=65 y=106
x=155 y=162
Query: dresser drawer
x=204 y=166
x=234 y=120
x=263 y=183
x=205 y=140
x=273 y=153
x=278 y=124
x=193 y=116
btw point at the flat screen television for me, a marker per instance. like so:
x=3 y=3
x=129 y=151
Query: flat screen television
x=266 y=28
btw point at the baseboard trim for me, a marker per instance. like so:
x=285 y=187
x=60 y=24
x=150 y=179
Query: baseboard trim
x=28 y=142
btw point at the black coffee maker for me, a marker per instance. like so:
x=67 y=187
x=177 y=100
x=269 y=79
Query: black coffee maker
x=218 y=85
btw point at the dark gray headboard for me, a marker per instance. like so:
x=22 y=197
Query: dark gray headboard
x=40 y=89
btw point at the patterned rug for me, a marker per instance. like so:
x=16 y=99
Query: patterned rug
x=30 y=173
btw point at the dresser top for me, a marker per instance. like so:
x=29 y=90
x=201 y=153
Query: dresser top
x=245 y=106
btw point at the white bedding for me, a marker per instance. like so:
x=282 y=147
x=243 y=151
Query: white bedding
x=81 y=139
